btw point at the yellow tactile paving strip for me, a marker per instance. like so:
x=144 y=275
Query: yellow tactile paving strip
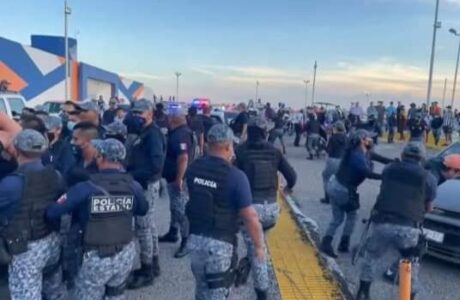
x=298 y=270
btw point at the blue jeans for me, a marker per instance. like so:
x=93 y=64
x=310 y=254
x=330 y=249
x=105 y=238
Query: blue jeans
x=339 y=195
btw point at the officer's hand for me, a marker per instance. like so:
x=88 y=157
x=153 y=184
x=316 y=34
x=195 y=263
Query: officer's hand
x=260 y=254
x=179 y=184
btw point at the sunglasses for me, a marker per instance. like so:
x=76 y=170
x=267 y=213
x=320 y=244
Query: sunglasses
x=74 y=112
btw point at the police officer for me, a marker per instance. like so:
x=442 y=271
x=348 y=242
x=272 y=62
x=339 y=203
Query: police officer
x=145 y=163
x=87 y=111
x=104 y=206
x=313 y=129
x=240 y=124
x=116 y=130
x=161 y=119
x=406 y=193
x=33 y=245
x=220 y=195
x=261 y=161
x=417 y=128
x=84 y=152
x=443 y=169
x=355 y=166
x=59 y=154
x=195 y=123
x=178 y=155
x=335 y=149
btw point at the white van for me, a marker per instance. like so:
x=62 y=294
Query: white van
x=12 y=103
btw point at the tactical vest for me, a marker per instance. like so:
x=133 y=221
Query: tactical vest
x=402 y=192
x=261 y=166
x=41 y=189
x=111 y=212
x=210 y=211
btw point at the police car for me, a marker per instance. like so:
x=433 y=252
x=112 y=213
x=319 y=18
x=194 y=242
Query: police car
x=442 y=225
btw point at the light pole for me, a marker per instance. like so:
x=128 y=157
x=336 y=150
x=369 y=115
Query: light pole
x=444 y=92
x=67 y=12
x=314 y=84
x=257 y=90
x=177 y=85
x=306 y=92
x=436 y=26
x=367 y=97
x=454 y=32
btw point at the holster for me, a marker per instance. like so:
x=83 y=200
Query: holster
x=417 y=251
x=5 y=256
x=242 y=271
x=353 y=201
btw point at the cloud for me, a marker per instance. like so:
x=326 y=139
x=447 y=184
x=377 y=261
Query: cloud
x=140 y=75
x=250 y=74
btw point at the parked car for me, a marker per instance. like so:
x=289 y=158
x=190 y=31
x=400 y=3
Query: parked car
x=52 y=107
x=12 y=103
x=442 y=226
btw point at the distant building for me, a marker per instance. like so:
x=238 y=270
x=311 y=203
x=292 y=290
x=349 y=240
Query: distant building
x=38 y=73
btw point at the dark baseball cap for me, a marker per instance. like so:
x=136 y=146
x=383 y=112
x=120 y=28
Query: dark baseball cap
x=30 y=140
x=220 y=134
x=414 y=149
x=142 y=105
x=363 y=134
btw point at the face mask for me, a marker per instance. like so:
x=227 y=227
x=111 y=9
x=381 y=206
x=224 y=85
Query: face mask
x=77 y=151
x=71 y=125
x=138 y=123
x=369 y=145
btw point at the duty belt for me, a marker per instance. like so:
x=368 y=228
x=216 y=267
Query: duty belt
x=394 y=219
x=105 y=251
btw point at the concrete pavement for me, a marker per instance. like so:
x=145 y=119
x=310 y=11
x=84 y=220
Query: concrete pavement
x=439 y=279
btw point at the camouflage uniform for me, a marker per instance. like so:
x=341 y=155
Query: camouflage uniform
x=384 y=237
x=268 y=215
x=209 y=256
x=145 y=226
x=97 y=273
x=178 y=200
x=26 y=271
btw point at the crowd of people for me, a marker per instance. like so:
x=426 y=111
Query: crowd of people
x=72 y=186
x=409 y=183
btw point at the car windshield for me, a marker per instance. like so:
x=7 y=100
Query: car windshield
x=2 y=106
x=16 y=104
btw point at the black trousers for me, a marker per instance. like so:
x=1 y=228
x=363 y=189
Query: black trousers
x=298 y=134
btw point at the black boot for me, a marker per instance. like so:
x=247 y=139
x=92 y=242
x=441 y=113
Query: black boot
x=141 y=278
x=344 y=244
x=261 y=295
x=325 y=200
x=364 y=291
x=171 y=237
x=326 y=246
x=412 y=296
x=389 y=276
x=183 y=251
x=156 y=266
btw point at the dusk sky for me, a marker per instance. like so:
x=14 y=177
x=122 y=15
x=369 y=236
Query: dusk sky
x=223 y=47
